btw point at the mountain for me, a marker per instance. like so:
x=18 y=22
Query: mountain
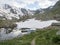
x=10 y=12
x=56 y=8
x=55 y=11
x=50 y=13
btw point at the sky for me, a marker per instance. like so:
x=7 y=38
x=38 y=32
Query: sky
x=30 y=4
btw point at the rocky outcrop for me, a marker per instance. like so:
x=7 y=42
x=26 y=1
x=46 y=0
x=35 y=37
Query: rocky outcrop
x=7 y=24
x=57 y=17
x=55 y=24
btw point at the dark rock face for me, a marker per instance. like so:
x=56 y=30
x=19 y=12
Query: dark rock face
x=37 y=11
x=6 y=6
x=13 y=11
x=57 y=17
x=24 y=11
x=55 y=24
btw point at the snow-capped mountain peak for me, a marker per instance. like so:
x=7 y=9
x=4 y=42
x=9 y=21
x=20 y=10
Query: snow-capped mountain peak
x=13 y=12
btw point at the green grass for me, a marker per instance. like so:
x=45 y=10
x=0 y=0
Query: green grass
x=25 y=40
x=46 y=38
x=43 y=37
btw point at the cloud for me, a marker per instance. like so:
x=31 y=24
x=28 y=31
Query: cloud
x=35 y=4
x=30 y=4
x=45 y=4
x=21 y=5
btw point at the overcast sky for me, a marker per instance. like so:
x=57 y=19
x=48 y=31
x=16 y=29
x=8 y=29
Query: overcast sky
x=30 y=4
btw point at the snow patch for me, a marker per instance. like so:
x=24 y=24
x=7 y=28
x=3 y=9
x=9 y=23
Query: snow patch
x=32 y=23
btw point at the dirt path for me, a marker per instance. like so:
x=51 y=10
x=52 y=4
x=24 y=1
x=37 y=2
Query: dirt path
x=33 y=41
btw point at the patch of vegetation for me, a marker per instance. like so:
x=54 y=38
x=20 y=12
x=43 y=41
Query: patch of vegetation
x=25 y=17
x=7 y=24
x=25 y=40
x=47 y=38
x=56 y=39
x=43 y=37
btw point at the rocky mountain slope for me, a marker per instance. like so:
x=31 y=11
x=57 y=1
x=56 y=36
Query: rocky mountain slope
x=50 y=13
x=10 y=12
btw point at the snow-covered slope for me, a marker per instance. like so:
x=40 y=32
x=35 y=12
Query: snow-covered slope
x=36 y=24
x=12 y=12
